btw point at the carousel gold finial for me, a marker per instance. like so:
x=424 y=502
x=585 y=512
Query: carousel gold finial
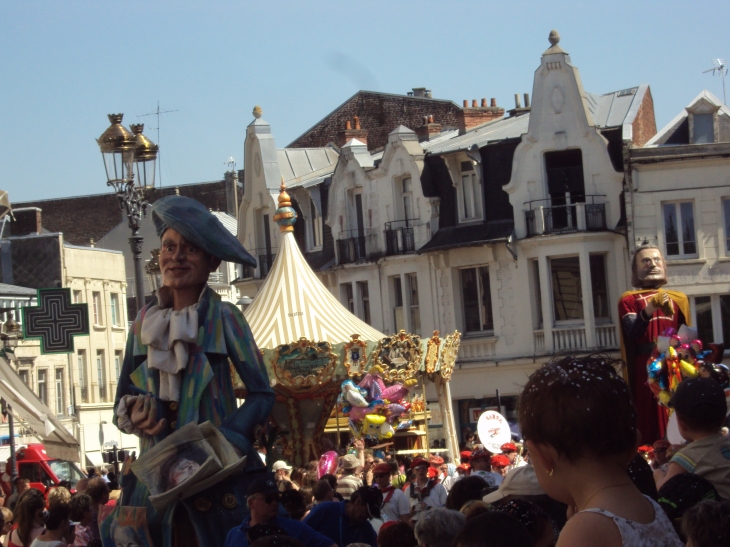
x=285 y=215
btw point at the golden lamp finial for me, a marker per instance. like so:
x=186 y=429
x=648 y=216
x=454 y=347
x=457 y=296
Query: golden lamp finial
x=285 y=215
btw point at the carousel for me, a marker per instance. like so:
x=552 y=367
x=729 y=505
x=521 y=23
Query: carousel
x=330 y=370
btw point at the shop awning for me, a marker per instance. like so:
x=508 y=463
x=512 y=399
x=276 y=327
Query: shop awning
x=28 y=408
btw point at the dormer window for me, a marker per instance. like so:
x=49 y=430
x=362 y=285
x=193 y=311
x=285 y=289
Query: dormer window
x=704 y=129
x=470 y=193
x=702 y=115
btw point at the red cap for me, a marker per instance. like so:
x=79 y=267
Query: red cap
x=499 y=460
x=418 y=461
x=381 y=468
x=465 y=454
x=508 y=447
x=464 y=467
x=645 y=448
x=480 y=454
x=435 y=460
x=432 y=473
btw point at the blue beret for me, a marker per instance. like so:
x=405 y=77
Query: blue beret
x=196 y=224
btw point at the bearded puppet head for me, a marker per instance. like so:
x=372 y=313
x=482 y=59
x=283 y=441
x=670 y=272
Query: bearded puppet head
x=648 y=269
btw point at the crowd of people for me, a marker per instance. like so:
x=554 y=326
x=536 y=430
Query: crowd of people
x=581 y=477
x=60 y=516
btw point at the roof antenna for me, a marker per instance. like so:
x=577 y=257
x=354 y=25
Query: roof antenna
x=719 y=68
x=159 y=153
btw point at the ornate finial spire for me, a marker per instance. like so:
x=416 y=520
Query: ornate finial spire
x=285 y=215
x=554 y=37
x=257 y=112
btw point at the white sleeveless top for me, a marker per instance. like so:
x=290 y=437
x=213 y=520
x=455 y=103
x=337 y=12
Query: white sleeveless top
x=658 y=533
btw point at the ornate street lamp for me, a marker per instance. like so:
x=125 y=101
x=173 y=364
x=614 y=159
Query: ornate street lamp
x=122 y=152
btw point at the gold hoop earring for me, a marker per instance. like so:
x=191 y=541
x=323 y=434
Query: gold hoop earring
x=551 y=472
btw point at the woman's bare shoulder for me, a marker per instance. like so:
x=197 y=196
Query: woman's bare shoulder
x=589 y=529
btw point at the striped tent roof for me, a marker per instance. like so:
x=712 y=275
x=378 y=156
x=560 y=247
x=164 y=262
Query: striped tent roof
x=293 y=303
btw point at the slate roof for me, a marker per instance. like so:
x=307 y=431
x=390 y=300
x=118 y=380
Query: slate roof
x=469 y=235
x=498 y=130
x=15 y=290
x=677 y=131
x=617 y=107
x=229 y=222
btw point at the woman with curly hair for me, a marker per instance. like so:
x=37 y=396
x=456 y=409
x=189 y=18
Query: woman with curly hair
x=29 y=514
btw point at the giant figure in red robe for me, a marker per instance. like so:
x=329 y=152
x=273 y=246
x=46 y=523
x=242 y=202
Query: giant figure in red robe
x=645 y=314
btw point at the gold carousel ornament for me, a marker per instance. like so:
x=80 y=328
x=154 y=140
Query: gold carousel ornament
x=399 y=356
x=304 y=365
x=356 y=356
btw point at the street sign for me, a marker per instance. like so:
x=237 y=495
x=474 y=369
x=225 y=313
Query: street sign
x=55 y=321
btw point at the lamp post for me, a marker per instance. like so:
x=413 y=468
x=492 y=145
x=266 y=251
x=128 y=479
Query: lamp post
x=11 y=335
x=123 y=153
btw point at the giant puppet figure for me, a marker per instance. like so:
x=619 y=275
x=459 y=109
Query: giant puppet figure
x=177 y=371
x=645 y=314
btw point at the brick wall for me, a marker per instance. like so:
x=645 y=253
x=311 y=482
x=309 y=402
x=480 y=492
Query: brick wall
x=644 y=126
x=379 y=114
x=84 y=217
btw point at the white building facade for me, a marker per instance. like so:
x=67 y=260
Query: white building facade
x=512 y=232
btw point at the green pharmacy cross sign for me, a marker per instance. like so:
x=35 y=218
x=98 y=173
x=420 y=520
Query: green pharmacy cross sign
x=55 y=321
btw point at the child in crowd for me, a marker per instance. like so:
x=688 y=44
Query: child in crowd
x=57 y=527
x=701 y=409
x=82 y=512
x=707 y=524
x=579 y=425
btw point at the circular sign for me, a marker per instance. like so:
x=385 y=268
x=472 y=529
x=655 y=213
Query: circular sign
x=493 y=431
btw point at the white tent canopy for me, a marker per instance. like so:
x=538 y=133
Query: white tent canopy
x=293 y=303
x=26 y=406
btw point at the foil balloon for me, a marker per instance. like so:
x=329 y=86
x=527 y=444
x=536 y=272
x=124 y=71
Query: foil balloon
x=357 y=413
x=393 y=410
x=396 y=392
x=386 y=431
x=353 y=394
x=373 y=383
x=371 y=426
x=327 y=464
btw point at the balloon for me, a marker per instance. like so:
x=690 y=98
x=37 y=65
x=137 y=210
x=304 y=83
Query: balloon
x=394 y=410
x=386 y=431
x=371 y=426
x=357 y=413
x=327 y=464
x=353 y=394
x=396 y=392
x=373 y=382
x=493 y=431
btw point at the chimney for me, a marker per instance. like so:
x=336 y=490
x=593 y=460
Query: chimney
x=519 y=109
x=475 y=115
x=231 y=184
x=27 y=221
x=428 y=130
x=422 y=92
x=349 y=133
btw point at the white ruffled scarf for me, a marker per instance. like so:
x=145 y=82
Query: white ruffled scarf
x=167 y=333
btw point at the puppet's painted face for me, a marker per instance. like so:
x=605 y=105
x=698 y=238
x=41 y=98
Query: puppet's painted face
x=182 y=264
x=125 y=536
x=182 y=471
x=650 y=267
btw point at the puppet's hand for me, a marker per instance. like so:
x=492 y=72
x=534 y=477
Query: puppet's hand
x=144 y=415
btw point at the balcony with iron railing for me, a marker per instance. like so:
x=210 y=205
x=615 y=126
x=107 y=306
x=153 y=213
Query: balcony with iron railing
x=575 y=339
x=352 y=247
x=400 y=237
x=544 y=218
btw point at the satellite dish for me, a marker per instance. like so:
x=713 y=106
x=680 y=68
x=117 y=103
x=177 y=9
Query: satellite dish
x=493 y=431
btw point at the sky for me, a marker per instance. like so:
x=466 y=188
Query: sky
x=66 y=64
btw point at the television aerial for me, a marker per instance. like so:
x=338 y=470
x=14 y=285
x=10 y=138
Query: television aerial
x=719 y=68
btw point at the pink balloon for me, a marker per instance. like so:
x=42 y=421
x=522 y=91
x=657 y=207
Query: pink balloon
x=357 y=413
x=395 y=393
x=327 y=464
